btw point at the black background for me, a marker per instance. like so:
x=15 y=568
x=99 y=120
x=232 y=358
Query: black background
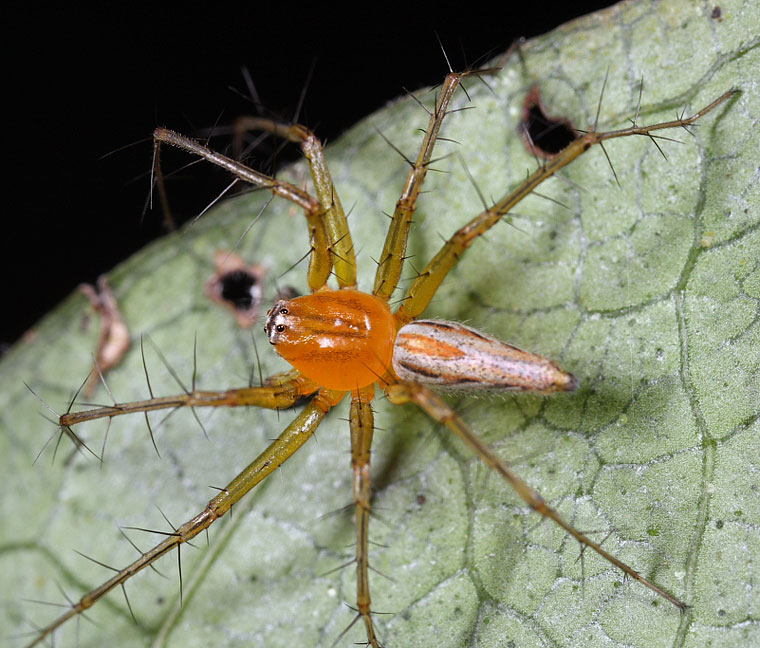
x=82 y=84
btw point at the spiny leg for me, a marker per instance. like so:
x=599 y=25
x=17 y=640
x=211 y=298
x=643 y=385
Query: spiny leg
x=339 y=236
x=279 y=392
x=392 y=258
x=362 y=428
x=293 y=437
x=426 y=284
x=321 y=261
x=440 y=411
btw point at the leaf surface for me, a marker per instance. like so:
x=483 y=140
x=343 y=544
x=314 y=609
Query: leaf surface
x=649 y=293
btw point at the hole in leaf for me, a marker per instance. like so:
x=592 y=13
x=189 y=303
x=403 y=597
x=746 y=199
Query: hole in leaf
x=544 y=135
x=240 y=288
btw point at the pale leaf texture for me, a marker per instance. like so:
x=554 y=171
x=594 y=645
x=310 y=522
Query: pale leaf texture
x=648 y=292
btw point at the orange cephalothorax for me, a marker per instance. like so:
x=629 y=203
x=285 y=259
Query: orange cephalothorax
x=341 y=339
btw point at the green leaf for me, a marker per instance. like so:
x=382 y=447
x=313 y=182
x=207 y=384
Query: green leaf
x=649 y=293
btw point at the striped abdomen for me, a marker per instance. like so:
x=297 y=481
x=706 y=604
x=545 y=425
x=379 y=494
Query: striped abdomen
x=448 y=355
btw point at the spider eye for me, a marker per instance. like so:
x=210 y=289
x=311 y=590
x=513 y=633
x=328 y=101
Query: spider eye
x=280 y=328
x=283 y=311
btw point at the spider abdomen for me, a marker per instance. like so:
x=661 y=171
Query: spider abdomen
x=449 y=355
x=341 y=339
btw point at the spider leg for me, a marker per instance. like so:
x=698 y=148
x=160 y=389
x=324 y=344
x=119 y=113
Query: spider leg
x=392 y=258
x=362 y=428
x=437 y=409
x=321 y=262
x=279 y=392
x=292 y=438
x=339 y=236
x=425 y=286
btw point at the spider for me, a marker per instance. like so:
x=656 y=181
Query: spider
x=346 y=343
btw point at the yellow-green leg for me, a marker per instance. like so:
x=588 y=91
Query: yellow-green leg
x=294 y=436
x=279 y=392
x=320 y=263
x=362 y=428
x=425 y=286
x=392 y=258
x=336 y=225
x=441 y=412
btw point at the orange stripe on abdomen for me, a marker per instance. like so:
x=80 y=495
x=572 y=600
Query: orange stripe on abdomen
x=449 y=355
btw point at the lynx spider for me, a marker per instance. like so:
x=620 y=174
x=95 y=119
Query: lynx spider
x=332 y=254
